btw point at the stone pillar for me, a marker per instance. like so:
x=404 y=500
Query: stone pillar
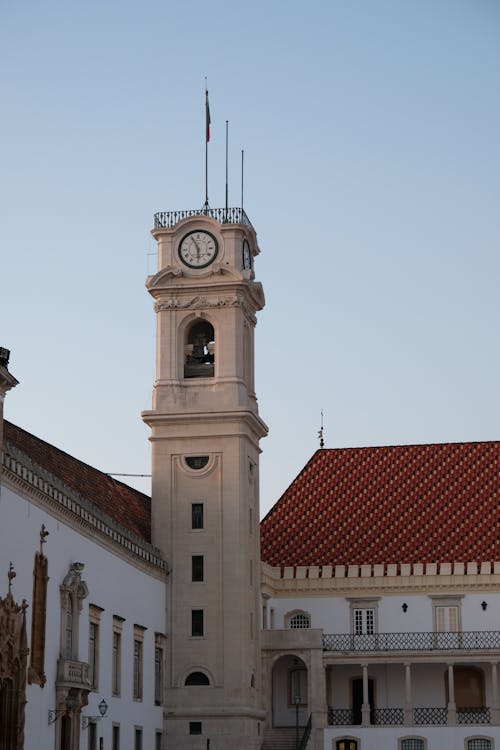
x=365 y=708
x=408 y=710
x=452 y=706
x=317 y=697
x=495 y=707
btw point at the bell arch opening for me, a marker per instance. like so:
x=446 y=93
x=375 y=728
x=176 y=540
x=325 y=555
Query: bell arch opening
x=199 y=350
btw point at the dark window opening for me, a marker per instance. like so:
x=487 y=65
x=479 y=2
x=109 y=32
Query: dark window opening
x=197 y=622
x=195 y=727
x=197 y=568
x=196 y=462
x=197 y=678
x=197 y=516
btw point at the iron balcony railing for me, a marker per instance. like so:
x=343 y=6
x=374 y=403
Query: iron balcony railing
x=474 y=640
x=424 y=716
x=166 y=219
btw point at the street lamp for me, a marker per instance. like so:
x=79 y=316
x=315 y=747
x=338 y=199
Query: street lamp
x=296 y=701
x=103 y=708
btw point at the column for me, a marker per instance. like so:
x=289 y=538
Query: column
x=408 y=709
x=365 y=707
x=317 y=697
x=452 y=706
x=495 y=707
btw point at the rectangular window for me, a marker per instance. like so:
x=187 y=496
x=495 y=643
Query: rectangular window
x=137 y=670
x=197 y=568
x=115 y=742
x=138 y=739
x=92 y=736
x=364 y=621
x=116 y=666
x=158 y=739
x=158 y=675
x=93 y=654
x=447 y=619
x=195 y=727
x=197 y=628
x=197 y=516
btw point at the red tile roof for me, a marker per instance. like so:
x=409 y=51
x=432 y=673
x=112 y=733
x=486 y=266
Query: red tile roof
x=397 y=504
x=129 y=507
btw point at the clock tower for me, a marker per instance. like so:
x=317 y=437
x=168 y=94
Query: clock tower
x=205 y=432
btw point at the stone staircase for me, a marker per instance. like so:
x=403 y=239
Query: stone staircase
x=281 y=739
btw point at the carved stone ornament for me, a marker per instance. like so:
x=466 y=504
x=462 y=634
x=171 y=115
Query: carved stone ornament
x=13 y=658
x=204 y=303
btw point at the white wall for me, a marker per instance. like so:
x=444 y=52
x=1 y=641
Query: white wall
x=332 y=613
x=117 y=586
x=386 y=738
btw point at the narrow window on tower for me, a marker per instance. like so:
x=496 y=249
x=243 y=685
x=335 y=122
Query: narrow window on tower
x=197 y=625
x=197 y=519
x=197 y=568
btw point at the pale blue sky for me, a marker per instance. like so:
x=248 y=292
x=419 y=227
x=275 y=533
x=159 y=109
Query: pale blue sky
x=372 y=176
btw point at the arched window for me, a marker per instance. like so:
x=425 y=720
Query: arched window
x=479 y=743
x=197 y=678
x=412 y=743
x=346 y=744
x=199 y=351
x=299 y=620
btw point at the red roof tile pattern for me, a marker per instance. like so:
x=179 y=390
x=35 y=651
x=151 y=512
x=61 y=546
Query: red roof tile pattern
x=125 y=505
x=396 y=504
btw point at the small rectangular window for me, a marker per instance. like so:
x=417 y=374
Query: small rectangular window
x=92 y=735
x=115 y=744
x=93 y=654
x=137 y=694
x=158 y=739
x=197 y=622
x=115 y=677
x=197 y=516
x=197 y=568
x=138 y=739
x=195 y=727
x=158 y=675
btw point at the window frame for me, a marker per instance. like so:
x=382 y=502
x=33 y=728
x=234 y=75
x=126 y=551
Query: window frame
x=409 y=738
x=159 y=672
x=297 y=613
x=197 y=568
x=201 y=613
x=364 y=604
x=116 y=656
x=446 y=603
x=197 y=507
x=483 y=737
x=138 y=663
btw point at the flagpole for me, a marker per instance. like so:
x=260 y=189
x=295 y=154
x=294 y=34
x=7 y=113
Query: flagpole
x=242 y=155
x=227 y=190
x=207 y=138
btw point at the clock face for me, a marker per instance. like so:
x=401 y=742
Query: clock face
x=198 y=249
x=247 y=255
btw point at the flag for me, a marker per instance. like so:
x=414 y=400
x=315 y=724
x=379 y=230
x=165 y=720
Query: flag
x=207 y=116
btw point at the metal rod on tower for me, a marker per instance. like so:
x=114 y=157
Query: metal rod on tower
x=227 y=159
x=242 y=158
x=207 y=139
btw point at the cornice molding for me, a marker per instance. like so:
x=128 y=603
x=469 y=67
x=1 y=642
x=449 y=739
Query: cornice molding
x=370 y=580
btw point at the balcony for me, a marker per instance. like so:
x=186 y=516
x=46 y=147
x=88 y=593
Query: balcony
x=73 y=674
x=167 y=219
x=425 y=716
x=474 y=640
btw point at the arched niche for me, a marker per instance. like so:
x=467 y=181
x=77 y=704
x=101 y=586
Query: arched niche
x=199 y=350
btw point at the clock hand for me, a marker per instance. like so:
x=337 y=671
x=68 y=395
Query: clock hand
x=198 y=251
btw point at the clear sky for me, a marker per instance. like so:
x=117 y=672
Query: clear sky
x=371 y=132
